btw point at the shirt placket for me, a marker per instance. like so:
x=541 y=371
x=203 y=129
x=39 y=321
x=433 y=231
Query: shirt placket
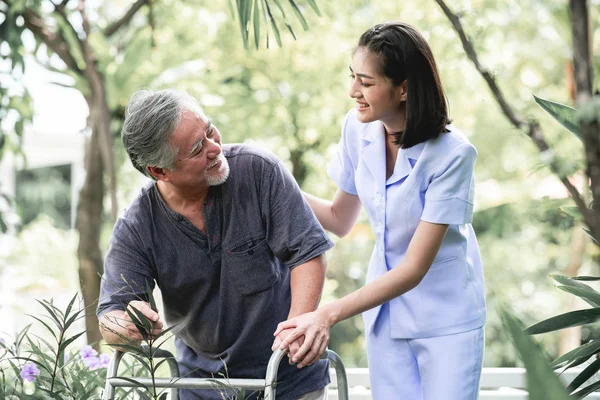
x=379 y=223
x=213 y=226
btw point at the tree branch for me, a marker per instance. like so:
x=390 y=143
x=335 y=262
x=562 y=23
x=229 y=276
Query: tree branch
x=532 y=129
x=60 y=9
x=55 y=41
x=124 y=20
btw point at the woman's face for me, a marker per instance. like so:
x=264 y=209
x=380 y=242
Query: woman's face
x=376 y=97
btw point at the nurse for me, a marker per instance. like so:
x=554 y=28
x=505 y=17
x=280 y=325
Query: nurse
x=400 y=156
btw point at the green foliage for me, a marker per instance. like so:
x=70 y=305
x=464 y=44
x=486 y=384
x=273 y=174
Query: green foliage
x=258 y=12
x=58 y=372
x=542 y=383
x=585 y=352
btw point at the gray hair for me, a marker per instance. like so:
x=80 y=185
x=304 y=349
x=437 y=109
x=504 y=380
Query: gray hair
x=150 y=119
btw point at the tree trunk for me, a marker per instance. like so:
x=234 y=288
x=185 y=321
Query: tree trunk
x=571 y=338
x=89 y=224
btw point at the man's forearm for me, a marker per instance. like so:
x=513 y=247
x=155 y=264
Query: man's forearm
x=306 y=284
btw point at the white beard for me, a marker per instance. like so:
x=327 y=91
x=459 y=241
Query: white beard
x=215 y=178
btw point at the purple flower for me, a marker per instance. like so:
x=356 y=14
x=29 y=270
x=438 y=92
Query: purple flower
x=92 y=362
x=88 y=352
x=29 y=372
x=104 y=360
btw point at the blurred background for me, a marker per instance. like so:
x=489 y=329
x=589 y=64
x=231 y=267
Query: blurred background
x=59 y=120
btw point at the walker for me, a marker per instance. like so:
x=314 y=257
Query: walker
x=268 y=385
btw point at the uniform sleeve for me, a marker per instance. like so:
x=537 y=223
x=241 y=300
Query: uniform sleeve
x=341 y=168
x=449 y=197
x=127 y=271
x=293 y=232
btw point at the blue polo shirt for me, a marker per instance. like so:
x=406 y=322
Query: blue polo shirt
x=432 y=181
x=225 y=290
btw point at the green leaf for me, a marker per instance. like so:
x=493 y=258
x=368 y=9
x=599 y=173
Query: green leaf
x=586 y=374
x=151 y=297
x=591 y=297
x=587 y=390
x=591 y=234
x=577 y=356
x=285 y=20
x=256 y=17
x=542 y=382
x=299 y=15
x=587 y=293
x=566 y=320
x=314 y=6
x=241 y=9
x=63 y=346
x=587 y=278
x=565 y=115
x=572 y=211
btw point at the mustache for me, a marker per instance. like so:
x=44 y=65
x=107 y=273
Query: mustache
x=220 y=157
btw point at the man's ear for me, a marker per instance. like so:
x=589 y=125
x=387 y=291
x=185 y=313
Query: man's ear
x=158 y=173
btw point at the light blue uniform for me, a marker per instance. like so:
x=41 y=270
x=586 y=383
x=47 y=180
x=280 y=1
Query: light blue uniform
x=433 y=182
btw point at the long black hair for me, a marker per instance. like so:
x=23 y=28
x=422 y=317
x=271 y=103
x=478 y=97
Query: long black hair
x=403 y=54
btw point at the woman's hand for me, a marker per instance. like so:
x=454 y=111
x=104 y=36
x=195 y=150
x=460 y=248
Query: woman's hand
x=314 y=326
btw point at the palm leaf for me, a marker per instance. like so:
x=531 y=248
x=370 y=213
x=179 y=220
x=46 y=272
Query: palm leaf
x=566 y=320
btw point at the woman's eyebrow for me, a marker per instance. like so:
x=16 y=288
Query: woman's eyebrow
x=361 y=75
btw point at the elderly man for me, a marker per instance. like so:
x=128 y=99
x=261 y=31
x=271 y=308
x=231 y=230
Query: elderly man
x=225 y=233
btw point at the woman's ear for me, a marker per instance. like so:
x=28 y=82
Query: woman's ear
x=403 y=88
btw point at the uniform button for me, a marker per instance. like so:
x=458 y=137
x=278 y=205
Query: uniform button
x=378 y=198
x=379 y=226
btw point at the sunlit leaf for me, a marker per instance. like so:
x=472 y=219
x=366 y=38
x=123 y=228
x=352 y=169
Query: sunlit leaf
x=565 y=115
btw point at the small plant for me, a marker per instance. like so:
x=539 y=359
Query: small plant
x=151 y=357
x=37 y=368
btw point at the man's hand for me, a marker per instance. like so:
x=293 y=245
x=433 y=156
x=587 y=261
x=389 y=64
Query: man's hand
x=117 y=327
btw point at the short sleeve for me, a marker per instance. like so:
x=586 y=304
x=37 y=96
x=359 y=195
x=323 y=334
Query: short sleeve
x=449 y=197
x=127 y=272
x=341 y=168
x=294 y=234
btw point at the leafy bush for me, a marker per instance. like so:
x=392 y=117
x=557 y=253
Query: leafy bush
x=542 y=382
x=37 y=368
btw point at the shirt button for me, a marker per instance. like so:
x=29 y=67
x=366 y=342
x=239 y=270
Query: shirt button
x=378 y=198
x=379 y=227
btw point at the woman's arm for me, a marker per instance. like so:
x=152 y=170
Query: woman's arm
x=408 y=274
x=337 y=216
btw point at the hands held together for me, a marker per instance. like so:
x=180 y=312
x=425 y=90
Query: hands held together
x=305 y=337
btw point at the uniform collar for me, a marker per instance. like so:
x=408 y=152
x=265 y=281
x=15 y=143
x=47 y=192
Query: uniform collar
x=405 y=161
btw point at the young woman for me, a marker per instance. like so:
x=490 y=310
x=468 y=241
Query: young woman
x=399 y=155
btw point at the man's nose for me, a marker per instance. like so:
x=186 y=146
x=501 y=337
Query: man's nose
x=214 y=148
